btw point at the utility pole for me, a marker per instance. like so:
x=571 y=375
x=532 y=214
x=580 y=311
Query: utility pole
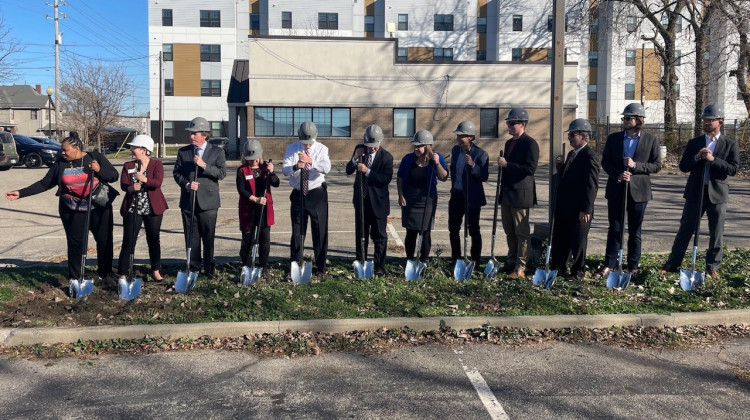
x=162 y=141
x=556 y=93
x=58 y=41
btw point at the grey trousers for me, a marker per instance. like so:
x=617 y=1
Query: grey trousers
x=517 y=232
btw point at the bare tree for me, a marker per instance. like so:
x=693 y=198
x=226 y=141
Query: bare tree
x=698 y=15
x=738 y=16
x=8 y=47
x=94 y=96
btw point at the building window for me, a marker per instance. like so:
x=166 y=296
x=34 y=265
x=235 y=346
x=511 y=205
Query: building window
x=254 y=21
x=369 y=23
x=677 y=91
x=34 y=114
x=403 y=54
x=481 y=55
x=592 y=92
x=168 y=129
x=515 y=54
x=677 y=58
x=679 y=24
x=167 y=52
x=488 y=123
x=631 y=24
x=630 y=91
x=283 y=121
x=594 y=25
x=210 y=87
x=482 y=25
x=443 y=22
x=442 y=54
x=286 y=20
x=166 y=17
x=630 y=58
x=593 y=58
x=328 y=21
x=168 y=87
x=211 y=52
x=211 y=18
x=517 y=23
x=403 y=122
x=217 y=129
x=403 y=22
x=550 y=23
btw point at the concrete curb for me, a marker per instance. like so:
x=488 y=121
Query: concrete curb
x=28 y=336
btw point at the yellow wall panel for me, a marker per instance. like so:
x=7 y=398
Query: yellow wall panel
x=419 y=54
x=254 y=6
x=187 y=69
x=647 y=74
x=481 y=8
x=370 y=7
x=534 y=54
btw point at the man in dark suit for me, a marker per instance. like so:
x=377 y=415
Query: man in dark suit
x=209 y=166
x=715 y=153
x=574 y=207
x=376 y=173
x=629 y=158
x=469 y=169
x=518 y=190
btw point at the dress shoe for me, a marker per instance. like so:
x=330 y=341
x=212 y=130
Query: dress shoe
x=668 y=268
x=518 y=274
x=605 y=272
x=634 y=272
x=380 y=272
x=322 y=272
x=507 y=269
x=713 y=274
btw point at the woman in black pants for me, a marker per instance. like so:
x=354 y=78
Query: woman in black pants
x=144 y=203
x=71 y=173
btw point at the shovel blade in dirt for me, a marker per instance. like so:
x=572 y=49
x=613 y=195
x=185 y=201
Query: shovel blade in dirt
x=301 y=274
x=690 y=279
x=551 y=276
x=250 y=275
x=80 y=288
x=414 y=269
x=463 y=269
x=363 y=270
x=544 y=277
x=491 y=270
x=185 y=282
x=618 y=278
x=129 y=290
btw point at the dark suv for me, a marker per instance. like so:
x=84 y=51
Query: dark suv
x=8 y=154
x=222 y=143
x=33 y=154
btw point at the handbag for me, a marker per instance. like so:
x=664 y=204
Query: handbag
x=103 y=194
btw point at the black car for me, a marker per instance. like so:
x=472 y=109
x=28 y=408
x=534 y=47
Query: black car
x=221 y=142
x=32 y=153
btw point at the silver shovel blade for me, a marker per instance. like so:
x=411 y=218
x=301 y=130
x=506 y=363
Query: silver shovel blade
x=421 y=269
x=613 y=280
x=459 y=271
x=79 y=289
x=550 y=280
x=690 y=279
x=411 y=272
x=250 y=275
x=624 y=280
x=301 y=275
x=129 y=290
x=469 y=271
x=540 y=276
x=490 y=271
x=185 y=282
x=359 y=269
x=368 y=269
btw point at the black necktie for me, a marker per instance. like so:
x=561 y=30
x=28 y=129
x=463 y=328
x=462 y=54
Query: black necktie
x=305 y=176
x=571 y=156
x=368 y=162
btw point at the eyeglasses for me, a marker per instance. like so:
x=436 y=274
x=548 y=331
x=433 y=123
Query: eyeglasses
x=628 y=118
x=574 y=133
x=512 y=123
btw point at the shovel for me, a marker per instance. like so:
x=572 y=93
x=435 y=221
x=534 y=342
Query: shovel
x=301 y=271
x=546 y=277
x=690 y=279
x=130 y=290
x=81 y=287
x=362 y=268
x=185 y=281
x=492 y=266
x=465 y=267
x=250 y=275
x=618 y=278
x=415 y=268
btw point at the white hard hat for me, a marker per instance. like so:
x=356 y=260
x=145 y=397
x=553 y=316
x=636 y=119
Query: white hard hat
x=143 y=140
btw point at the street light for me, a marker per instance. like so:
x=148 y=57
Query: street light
x=49 y=91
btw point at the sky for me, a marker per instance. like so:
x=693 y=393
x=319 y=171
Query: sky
x=113 y=31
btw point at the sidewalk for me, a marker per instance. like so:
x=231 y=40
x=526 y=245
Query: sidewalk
x=29 y=336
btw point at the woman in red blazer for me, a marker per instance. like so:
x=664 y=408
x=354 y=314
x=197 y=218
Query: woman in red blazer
x=143 y=203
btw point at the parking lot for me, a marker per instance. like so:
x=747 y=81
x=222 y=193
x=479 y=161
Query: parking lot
x=33 y=233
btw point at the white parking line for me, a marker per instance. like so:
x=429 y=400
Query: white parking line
x=491 y=403
x=394 y=234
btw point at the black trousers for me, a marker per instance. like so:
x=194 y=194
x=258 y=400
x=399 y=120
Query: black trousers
x=569 y=237
x=455 y=218
x=152 y=224
x=100 y=226
x=375 y=228
x=410 y=244
x=204 y=230
x=264 y=246
x=316 y=209
x=635 y=214
x=716 y=215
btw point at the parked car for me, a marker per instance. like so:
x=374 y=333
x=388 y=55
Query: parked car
x=222 y=142
x=8 y=153
x=33 y=154
x=46 y=140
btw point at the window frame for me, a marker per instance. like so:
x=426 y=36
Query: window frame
x=516 y=54
x=328 y=21
x=517 y=23
x=593 y=58
x=210 y=18
x=214 y=130
x=371 y=24
x=210 y=56
x=167 y=17
x=629 y=93
x=33 y=114
x=255 y=26
x=169 y=129
x=403 y=25
x=481 y=55
x=167 y=55
x=630 y=57
x=631 y=24
x=678 y=57
x=286 y=23
x=443 y=56
x=280 y=118
x=443 y=22
x=481 y=25
x=213 y=89
x=404 y=57
x=408 y=118
x=168 y=87
x=493 y=130
x=591 y=89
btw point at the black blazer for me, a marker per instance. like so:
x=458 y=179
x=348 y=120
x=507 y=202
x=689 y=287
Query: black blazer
x=518 y=188
x=207 y=195
x=725 y=164
x=381 y=174
x=477 y=175
x=647 y=161
x=578 y=185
